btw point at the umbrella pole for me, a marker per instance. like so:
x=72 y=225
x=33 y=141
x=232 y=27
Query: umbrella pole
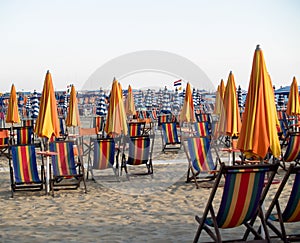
x=47 y=167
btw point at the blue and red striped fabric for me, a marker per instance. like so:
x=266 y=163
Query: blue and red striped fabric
x=200 y=153
x=64 y=162
x=104 y=151
x=135 y=129
x=170 y=133
x=24 y=135
x=201 y=129
x=241 y=195
x=24 y=163
x=292 y=152
x=291 y=212
x=139 y=148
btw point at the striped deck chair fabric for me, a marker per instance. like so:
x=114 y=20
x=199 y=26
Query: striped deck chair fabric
x=203 y=117
x=135 y=128
x=24 y=135
x=139 y=152
x=104 y=154
x=291 y=212
x=198 y=152
x=163 y=118
x=28 y=123
x=201 y=129
x=64 y=165
x=24 y=166
x=170 y=136
x=292 y=152
x=244 y=191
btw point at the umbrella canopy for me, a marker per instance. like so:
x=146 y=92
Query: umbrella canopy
x=116 y=117
x=230 y=121
x=187 y=112
x=12 y=110
x=47 y=123
x=293 y=105
x=73 y=119
x=129 y=103
x=259 y=133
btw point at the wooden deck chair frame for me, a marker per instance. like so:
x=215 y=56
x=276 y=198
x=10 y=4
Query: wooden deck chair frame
x=65 y=168
x=105 y=155
x=291 y=212
x=140 y=151
x=23 y=166
x=5 y=142
x=244 y=192
x=169 y=136
x=292 y=152
x=201 y=166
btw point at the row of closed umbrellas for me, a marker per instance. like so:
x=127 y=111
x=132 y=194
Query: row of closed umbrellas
x=257 y=133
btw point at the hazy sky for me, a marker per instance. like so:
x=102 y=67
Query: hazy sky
x=73 y=38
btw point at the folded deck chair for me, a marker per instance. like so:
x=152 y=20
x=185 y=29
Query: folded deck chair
x=136 y=128
x=244 y=191
x=201 y=167
x=23 y=169
x=105 y=155
x=169 y=135
x=291 y=213
x=28 y=123
x=67 y=173
x=24 y=135
x=139 y=152
x=292 y=152
x=4 y=142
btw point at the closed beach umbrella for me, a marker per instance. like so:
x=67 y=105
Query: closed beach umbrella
x=129 y=103
x=47 y=123
x=293 y=105
x=116 y=117
x=230 y=121
x=73 y=119
x=187 y=112
x=259 y=133
x=12 y=110
x=35 y=105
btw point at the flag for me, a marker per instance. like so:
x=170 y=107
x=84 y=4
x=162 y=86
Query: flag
x=177 y=83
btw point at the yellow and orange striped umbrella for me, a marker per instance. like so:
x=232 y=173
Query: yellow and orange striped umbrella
x=47 y=123
x=12 y=110
x=219 y=98
x=129 y=103
x=187 y=113
x=293 y=105
x=230 y=120
x=73 y=119
x=258 y=134
x=116 y=123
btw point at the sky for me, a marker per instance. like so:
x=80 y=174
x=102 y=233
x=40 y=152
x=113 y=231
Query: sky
x=73 y=38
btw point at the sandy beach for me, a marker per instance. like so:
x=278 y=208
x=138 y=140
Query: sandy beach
x=144 y=209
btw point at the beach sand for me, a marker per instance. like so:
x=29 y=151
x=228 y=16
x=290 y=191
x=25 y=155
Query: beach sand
x=144 y=209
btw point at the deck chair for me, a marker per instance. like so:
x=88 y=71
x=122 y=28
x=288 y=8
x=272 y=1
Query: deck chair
x=24 y=173
x=292 y=152
x=201 y=166
x=291 y=212
x=201 y=129
x=244 y=191
x=4 y=142
x=136 y=128
x=163 y=118
x=139 y=152
x=98 y=124
x=104 y=156
x=63 y=132
x=28 y=123
x=67 y=173
x=170 y=138
x=25 y=135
